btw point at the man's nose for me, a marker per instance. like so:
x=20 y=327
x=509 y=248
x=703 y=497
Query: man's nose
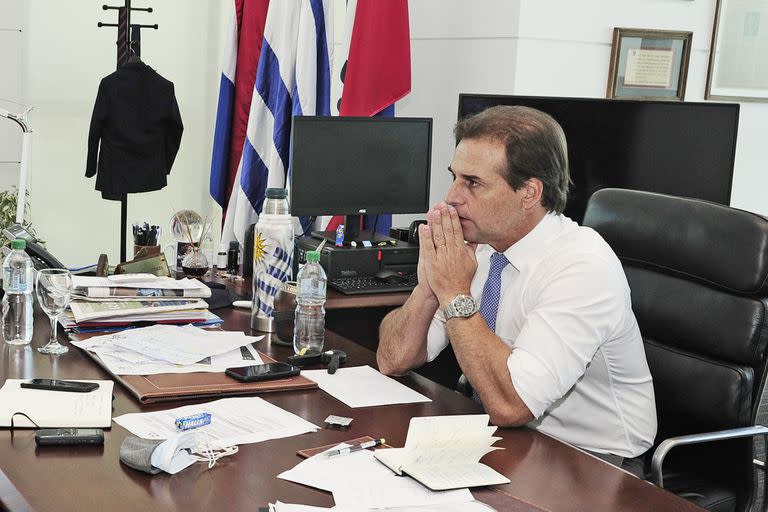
x=454 y=196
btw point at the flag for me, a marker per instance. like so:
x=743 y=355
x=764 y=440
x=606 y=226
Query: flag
x=243 y=47
x=379 y=62
x=378 y=68
x=292 y=78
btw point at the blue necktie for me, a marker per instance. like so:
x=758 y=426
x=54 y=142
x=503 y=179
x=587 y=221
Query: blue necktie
x=489 y=302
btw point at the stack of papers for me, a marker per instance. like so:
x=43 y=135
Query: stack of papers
x=358 y=480
x=147 y=288
x=233 y=421
x=172 y=349
x=123 y=301
x=85 y=311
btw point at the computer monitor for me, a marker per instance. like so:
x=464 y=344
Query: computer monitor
x=677 y=148
x=359 y=165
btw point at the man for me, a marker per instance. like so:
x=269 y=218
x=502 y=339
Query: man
x=554 y=344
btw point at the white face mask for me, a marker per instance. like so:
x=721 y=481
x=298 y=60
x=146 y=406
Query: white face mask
x=186 y=448
x=174 y=454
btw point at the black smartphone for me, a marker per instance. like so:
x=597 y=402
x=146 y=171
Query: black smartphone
x=69 y=436
x=263 y=372
x=60 y=385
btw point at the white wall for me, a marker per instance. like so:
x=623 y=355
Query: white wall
x=568 y=55
x=554 y=48
x=10 y=91
x=546 y=47
x=66 y=57
x=456 y=46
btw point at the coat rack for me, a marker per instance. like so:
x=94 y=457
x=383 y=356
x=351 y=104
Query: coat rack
x=126 y=47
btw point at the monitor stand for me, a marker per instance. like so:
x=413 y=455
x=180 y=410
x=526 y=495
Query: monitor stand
x=352 y=232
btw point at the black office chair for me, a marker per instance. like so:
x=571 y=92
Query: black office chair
x=699 y=278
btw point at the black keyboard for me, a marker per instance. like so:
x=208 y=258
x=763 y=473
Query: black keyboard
x=359 y=285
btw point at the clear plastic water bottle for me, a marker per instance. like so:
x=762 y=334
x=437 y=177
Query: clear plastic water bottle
x=18 y=285
x=309 y=325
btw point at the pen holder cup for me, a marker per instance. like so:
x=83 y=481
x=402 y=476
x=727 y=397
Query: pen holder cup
x=284 y=313
x=140 y=251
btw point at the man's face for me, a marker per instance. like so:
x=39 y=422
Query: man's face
x=489 y=210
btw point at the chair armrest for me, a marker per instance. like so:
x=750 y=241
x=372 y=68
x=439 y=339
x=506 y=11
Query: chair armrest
x=661 y=451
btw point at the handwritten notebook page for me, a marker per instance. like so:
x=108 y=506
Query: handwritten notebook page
x=444 y=452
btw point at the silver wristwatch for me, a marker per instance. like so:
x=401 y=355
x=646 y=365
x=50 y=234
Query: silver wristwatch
x=461 y=306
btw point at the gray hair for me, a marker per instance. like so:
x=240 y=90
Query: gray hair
x=534 y=144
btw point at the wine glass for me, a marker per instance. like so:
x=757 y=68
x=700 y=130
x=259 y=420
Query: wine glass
x=54 y=289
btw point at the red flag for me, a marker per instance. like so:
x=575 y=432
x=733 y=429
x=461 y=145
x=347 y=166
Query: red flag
x=379 y=63
x=378 y=68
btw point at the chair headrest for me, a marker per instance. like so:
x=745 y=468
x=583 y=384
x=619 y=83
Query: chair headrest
x=705 y=241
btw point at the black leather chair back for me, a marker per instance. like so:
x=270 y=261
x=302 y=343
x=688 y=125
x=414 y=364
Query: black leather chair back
x=698 y=272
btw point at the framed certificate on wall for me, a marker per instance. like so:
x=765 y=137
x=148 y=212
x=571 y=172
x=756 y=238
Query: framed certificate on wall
x=649 y=64
x=738 y=62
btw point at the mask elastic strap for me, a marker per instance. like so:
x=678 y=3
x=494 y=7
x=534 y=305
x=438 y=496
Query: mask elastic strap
x=204 y=451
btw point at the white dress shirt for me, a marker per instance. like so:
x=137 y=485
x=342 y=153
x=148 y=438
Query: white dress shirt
x=577 y=359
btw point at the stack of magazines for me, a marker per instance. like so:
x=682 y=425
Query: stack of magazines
x=131 y=300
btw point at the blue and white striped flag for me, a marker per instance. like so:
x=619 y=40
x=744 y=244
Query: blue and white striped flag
x=293 y=78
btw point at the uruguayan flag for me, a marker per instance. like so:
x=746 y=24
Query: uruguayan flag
x=293 y=78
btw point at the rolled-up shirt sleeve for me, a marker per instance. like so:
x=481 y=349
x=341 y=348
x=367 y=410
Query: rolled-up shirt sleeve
x=437 y=337
x=579 y=308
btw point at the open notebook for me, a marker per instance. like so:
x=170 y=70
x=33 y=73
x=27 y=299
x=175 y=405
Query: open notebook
x=55 y=408
x=443 y=452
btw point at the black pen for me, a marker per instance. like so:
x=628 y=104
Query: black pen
x=357 y=447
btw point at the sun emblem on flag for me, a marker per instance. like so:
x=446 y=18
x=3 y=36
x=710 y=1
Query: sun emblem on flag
x=259 y=247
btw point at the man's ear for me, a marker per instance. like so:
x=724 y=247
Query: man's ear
x=534 y=188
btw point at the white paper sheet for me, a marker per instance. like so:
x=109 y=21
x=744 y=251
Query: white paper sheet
x=172 y=344
x=289 y=507
x=167 y=283
x=361 y=481
x=471 y=506
x=127 y=362
x=56 y=408
x=362 y=386
x=233 y=421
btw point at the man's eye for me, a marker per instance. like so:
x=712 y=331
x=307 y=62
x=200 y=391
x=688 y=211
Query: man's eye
x=472 y=183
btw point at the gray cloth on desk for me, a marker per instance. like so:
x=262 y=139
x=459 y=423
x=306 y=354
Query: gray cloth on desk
x=137 y=453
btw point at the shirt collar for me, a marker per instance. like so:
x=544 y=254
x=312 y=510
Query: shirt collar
x=529 y=247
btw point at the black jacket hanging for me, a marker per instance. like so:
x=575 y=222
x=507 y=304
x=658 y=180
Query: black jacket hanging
x=137 y=120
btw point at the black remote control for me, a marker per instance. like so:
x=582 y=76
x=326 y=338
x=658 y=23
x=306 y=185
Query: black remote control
x=69 y=436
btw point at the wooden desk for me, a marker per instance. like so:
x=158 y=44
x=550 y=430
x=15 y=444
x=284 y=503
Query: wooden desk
x=546 y=474
x=357 y=318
